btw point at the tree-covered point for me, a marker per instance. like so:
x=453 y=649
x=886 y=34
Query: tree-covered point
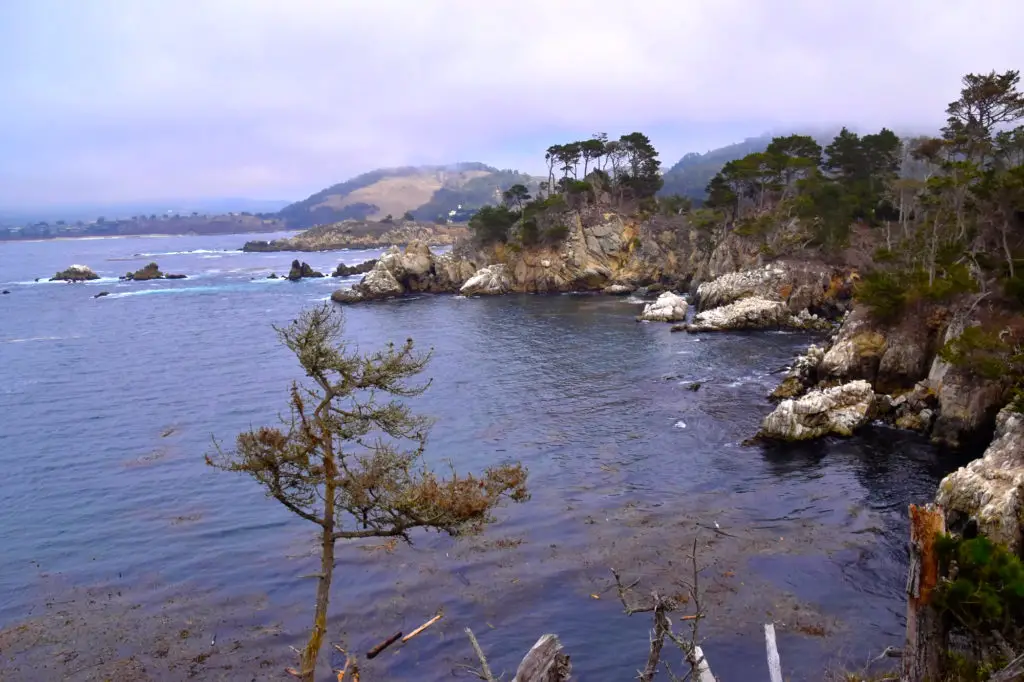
x=625 y=172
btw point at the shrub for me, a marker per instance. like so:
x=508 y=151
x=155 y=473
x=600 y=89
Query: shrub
x=883 y=293
x=981 y=352
x=556 y=234
x=491 y=224
x=985 y=592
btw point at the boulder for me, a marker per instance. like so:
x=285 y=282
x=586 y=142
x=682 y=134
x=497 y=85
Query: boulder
x=102 y=294
x=990 y=490
x=451 y=272
x=272 y=275
x=617 y=290
x=839 y=410
x=302 y=270
x=75 y=273
x=346 y=296
x=379 y=283
x=4 y=292
x=668 y=307
x=746 y=313
x=488 y=281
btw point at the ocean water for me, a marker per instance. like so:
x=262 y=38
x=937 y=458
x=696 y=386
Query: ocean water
x=107 y=406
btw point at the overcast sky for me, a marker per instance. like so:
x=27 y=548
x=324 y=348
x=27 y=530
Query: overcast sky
x=116 y=100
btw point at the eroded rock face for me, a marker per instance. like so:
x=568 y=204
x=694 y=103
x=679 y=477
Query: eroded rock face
x=75 y=273
x=348 y=270
x=746 y=313
x=668 y=307
x=991 y=489
x=839 y=410
x=857 y=350
x=490 y=281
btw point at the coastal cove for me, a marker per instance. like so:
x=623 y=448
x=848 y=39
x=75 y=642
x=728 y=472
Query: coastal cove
x=626 y=464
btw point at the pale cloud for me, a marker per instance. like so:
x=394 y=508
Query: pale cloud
x=111 y=100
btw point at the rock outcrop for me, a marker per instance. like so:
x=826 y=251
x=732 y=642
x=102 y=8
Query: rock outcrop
x=302 y=270
x=752 y=313
x=800 y=286
x=801 y=375
x=349 y=270
x=362 y=234
x=839 y=410
x=990 y=490
x=151 y=271
x=75 y=273
x=490 y=281
x=414 y=270
x=668 y=307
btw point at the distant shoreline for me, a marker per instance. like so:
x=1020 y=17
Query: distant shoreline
x=151 y=235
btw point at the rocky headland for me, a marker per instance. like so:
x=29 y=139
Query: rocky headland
x=362 y=234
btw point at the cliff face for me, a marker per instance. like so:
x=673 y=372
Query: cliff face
x=363 y=235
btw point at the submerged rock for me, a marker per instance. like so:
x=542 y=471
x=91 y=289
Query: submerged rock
x=75 y=273
x=990 y=490
x=668 y=307
x=272 y=275
x=4 y=292
x=839 y=410
x=301 y=270
x=489 y=281
x=102 y=294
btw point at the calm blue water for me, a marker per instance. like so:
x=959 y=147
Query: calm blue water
x=108 y=405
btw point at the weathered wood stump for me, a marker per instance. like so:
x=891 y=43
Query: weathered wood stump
x=926 y=627
x=545 y=662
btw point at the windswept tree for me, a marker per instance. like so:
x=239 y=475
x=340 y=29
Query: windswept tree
x=517 y=195
x=348 y=457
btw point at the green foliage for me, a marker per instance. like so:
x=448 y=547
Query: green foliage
x=491 y=224
x=556 y=234
x=674 y=205
x=983 y=352
x=408 y=216
x=984 y=587
x=884 y=293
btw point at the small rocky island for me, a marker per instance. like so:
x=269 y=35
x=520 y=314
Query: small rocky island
x=75 y=273
x=362 y=234
x=151 y=271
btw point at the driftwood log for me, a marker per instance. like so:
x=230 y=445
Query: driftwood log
x=926 y=627
x=1011 y=673
x=545 y=662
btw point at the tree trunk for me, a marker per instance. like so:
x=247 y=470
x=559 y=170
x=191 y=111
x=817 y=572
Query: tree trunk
x=323 y=588
x=1006 y=248
x=926 y=628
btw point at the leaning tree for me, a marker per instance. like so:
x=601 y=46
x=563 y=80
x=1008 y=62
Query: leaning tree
x=348 y=457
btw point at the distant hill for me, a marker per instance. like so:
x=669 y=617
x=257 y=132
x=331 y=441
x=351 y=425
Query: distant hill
x=690 y=176
x=426 y=191
x=692 y=173
x=117 y=211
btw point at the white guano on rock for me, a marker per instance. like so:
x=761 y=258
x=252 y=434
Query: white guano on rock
x=668 y=307
x=839 y=410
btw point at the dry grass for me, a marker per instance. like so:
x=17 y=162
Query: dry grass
x=396 y=195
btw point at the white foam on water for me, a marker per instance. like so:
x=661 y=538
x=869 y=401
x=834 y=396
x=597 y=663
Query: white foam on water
x=680 y=424
x=40 y=338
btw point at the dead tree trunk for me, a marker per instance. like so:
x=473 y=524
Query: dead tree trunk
x=926 y=627
x=545 y=662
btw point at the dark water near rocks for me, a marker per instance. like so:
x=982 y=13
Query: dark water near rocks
x=108 y=405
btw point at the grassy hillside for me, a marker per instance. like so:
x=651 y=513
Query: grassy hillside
x=425 y=191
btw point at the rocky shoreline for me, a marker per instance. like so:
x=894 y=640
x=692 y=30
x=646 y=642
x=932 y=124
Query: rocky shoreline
x=867 y=370
x=355 y=234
